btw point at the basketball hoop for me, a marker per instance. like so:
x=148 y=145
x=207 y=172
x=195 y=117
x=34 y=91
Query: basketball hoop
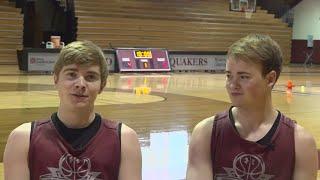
x=248 y=13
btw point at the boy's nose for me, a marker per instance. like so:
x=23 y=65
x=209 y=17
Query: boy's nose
x=80 y=83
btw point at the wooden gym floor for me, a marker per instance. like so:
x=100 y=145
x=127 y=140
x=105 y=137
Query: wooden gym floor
x=163 y=110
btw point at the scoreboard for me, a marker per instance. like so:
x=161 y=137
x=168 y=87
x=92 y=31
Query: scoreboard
x=142 y=59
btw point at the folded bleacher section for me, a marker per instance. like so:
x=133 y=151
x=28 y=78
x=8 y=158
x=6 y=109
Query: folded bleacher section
x=182 y=25
x=11 y=30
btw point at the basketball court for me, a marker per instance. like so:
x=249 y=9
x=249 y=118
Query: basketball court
x=163 y=108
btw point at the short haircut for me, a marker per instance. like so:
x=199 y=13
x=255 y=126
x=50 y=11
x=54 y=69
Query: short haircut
x=84 y=53
x=259 y=49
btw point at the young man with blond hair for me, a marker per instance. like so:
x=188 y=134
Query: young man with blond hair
x=75 y=142
x=252 y=140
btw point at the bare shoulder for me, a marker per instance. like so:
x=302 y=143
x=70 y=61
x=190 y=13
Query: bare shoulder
x=201 y=135
x=306 y=155
x=305 y=146
x=17 y=146
x=21 y=132
x=204 y=126
x=199 y=164
x=19 y=138
x=303 y=137
x=131 y=160
x=128 y=132
x=129 y=138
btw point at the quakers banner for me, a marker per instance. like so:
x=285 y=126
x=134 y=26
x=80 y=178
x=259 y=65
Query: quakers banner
x=197 y=62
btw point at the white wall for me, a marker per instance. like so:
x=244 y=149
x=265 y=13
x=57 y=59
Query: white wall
x=306 y=20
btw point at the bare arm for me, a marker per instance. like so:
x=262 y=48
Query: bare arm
x=199 y=164
x=16 y=153
x=306 y=165
x=130 y=166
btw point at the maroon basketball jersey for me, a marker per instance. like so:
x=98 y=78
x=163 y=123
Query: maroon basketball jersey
x=51 y=157
x=234 y=158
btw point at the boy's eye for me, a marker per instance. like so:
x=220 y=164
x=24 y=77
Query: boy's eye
x=92 y=78
x=244 y=77
x=71 y=74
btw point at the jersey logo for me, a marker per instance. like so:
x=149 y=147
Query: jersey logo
x=71 y=168
x=245 y=167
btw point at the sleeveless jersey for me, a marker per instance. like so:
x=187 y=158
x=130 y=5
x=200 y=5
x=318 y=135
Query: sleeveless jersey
x=238 y=159
x=51 y=157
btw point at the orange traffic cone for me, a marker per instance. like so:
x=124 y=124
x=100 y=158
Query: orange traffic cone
x=290 y=84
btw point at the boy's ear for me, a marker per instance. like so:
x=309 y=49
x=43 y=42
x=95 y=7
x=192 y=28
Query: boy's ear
x=271 y=78
x=55 y=79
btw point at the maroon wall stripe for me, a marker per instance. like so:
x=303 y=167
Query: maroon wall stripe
x=299 y=50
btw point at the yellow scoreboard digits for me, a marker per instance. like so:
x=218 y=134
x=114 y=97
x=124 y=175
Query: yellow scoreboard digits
x=143 y=54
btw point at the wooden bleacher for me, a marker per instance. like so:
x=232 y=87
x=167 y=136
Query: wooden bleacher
x=11 y=30
x=180 y=25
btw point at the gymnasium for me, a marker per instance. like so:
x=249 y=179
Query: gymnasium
x=166 y=60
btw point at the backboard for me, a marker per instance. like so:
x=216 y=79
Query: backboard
x=243 y=5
